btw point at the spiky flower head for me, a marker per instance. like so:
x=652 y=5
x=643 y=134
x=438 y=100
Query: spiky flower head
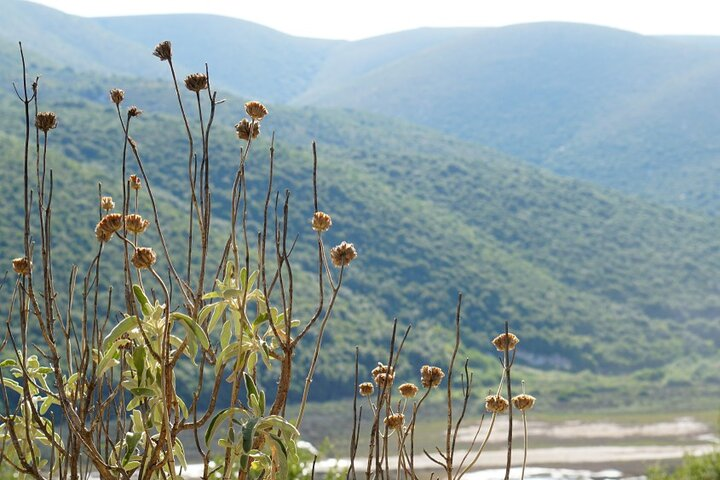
x=246 y=129
x=135 y=183
x=134 y=111
x=46 y=121
x=144 y=257
x=135 y=223
x=256 y=110
x=496 y=403
x=343 y=254
x=109 y=224
x=163 y=50
x=505 y=342
x=196 y=82
x=117 y=96
x=366 y=389
x=431 y=376
x=22 y=265
x=408 y=390
x=107 y=203
x=395 y=421
x=321 y=222
x=523 y=401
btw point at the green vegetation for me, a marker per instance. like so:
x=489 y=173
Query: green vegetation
x=704 y=467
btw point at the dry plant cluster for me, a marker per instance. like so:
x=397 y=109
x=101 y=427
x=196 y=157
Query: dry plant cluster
x=99 y=396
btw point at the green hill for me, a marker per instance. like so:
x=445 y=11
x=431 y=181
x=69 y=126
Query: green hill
x=630 y=112
x=589 y=279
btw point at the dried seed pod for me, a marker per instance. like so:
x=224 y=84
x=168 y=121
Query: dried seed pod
x=246 y=129
x=496 y=403
x=163 y=50
x=135 y=223
x=110 y=223
x=46 y=121
x=395 y=421
x=343 y=254
x=135 y=183
x=256 y=110
x=117 y=96
x=366 y=389
x=408 y=390
x=22 y=265
x=196 y=82
x=431 y=376
x=381 y=368
x=134 y=111
x=523 y=401
x=144 y=257
x=107 y=203
x=384 y=380
x=505 y=342
x=321 y=222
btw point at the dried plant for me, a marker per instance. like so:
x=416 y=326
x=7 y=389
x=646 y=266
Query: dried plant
x=112 y=384
x=400 y=419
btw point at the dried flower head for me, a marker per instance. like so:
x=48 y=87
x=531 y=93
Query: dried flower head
x=381 y=368
x=144 y=257
x=523 y=401
x=110 y=223
x=22 y=265
x=408 y=390
x=134 y=111
x=46 y=121
x=343 y=254
x=366 y=389
x=505 y=341
x=321 y=222
x=496 y=403
x=107 y=203
x=135 y=182
x=246 y=129
x=196 y=82
x=395 y=421
x=431 y=376
x=117 y=96
x=163 y=50
x=256 y=110
x=384 y=380
x=135 y=223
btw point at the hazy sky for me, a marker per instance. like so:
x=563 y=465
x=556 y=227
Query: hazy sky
x=354 y=19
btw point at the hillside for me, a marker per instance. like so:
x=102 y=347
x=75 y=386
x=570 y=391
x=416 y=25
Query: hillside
x=634 y=113
x=574 y=268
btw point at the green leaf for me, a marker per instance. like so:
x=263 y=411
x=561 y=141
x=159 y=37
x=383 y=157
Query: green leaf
x=225 y=334
x=217 y=420
x=8 y=363
x=194 y=328
x=217 y=313
x=127 y=324
x=131 y=441
x=248 y=434
x=142 y=392
x=139 y=362
x=142 y=298
x=250 y=386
